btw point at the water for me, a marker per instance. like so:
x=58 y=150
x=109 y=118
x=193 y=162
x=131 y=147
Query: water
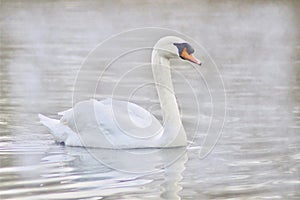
x=256 y=47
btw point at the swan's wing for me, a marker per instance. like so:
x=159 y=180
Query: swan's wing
x=81 y=116
x=128 y=119
x=112 y=118
x=124 y=111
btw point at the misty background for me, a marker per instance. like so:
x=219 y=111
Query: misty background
x=255 y=45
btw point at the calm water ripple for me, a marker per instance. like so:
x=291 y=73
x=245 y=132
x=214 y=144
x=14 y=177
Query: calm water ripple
x=256 y=47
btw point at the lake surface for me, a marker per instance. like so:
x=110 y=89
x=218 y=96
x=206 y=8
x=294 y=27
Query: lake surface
x=248 y=91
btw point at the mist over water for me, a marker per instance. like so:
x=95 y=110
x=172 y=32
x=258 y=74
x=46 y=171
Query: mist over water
x=255 y=45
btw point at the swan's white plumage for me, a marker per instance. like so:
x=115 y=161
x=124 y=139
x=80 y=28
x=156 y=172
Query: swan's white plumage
x=115 y=124
x=60 y=131
x=107 y=124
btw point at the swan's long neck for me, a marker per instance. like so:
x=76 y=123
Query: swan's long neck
x=173 y=130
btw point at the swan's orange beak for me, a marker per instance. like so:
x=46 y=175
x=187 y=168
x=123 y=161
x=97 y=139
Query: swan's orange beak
x=185 y=55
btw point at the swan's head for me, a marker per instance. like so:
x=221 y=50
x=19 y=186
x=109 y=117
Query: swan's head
x=175 y=47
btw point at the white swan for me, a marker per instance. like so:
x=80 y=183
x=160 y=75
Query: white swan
x=116 y=124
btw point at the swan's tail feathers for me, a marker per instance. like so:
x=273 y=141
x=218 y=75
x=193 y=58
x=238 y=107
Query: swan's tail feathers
x=57 y=129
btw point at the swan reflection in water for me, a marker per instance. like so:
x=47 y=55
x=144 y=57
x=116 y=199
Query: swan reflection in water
x=111 y=172
x=128 y=160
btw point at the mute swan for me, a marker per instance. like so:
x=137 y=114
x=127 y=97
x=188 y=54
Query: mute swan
x=115 y=124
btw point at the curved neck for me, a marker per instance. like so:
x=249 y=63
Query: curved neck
x=173 y=130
